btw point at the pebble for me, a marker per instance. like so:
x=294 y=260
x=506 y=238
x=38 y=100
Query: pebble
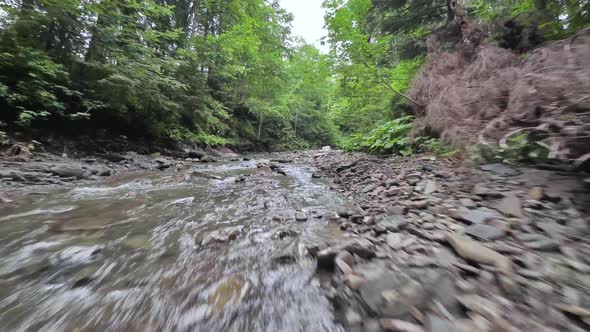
x=354 y=281
x=344 y=268
x=539 y=242
x=468 y=203
x=436 y=324
x=511 y=206
x=301 y=217
x=537 y=193
x=395 y=241
x=472 y=250
x=431 y=187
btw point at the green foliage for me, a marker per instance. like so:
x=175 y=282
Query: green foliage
x=33 y=86
x=202 y=71
x=378 y=46
x=434 y=146
x=555 y=19
x=370 y=71
x=200 y=138
x=521 y=149
x=229 y=72
x=390 y=137
x=3 y=136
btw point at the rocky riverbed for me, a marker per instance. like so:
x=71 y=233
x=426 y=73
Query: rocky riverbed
x=439 y=247
x=23 y=171
x=314 y=241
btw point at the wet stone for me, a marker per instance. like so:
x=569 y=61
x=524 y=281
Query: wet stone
x=360 y=247
x=284 y=233
x=85 y=276
x=222 y=235
x=163 y=163
x=229 y=292
x=289 y=254
x=138 y=241
x=69 y=171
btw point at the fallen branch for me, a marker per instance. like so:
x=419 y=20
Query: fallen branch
x=399 y=93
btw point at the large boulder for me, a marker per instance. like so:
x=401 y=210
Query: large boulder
x=395 y=294
x=197 y=153
x=222 y=235
x=69 y=171
x=163 y=163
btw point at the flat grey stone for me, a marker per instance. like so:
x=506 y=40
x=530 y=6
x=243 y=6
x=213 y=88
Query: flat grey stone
x=395 y=241
x=539 y=242
x=476 y=216
x=500 y=169
x=430 y=187
x=394 y=223
x=484 y=232
x=394 y=294
x=436 y=324
x=510 y=206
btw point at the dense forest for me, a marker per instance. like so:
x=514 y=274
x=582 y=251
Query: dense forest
x=229 y=72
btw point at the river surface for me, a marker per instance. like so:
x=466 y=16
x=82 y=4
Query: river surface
x=127 y=255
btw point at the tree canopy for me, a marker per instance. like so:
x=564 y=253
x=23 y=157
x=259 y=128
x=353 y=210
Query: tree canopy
x=229 y=72
x=206 y=71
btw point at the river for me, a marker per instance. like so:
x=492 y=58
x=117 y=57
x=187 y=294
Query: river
x=127 y=254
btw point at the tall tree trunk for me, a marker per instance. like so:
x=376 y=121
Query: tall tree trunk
x=296 y=120
x=450 y=12
x=540 y=5
x=93 y=53
x=259 y=125
x=27 y=5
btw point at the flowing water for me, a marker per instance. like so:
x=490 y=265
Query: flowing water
x=127 y=254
